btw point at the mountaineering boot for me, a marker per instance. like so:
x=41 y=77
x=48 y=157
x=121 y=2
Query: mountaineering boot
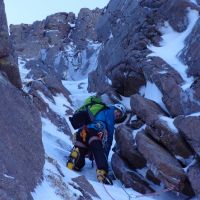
x=103 y=178
x=73 y=157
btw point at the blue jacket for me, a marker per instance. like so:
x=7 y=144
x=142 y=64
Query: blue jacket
x=107 y=119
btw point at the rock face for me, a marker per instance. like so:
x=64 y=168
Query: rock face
x=7 y=60
x=128 y=177
x=61 y=44
x=189 y=127
x=22 y=153
x=191 y=51
x=127 y=147
x=194 y=176
x=21 y=148
x=160 y=161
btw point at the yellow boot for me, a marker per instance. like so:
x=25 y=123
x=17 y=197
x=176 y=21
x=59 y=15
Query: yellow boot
x=103 y=178
x=73 y=157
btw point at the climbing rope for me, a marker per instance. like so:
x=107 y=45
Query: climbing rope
x=108 y=192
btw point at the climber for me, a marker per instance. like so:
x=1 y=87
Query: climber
x=97 y=137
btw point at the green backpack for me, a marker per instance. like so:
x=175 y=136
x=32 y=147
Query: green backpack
x=86 y=113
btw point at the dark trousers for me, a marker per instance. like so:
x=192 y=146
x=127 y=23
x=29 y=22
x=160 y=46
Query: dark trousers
x=91 y=143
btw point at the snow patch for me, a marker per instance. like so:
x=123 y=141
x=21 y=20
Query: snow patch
x=172 y=44
x=170 y=123
x=153 y=93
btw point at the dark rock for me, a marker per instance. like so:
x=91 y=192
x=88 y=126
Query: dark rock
x=21 y=146
x=162 y=164
x=13 y=189
x=189 y=127
x=128 y=150
x=85 y=25
x=129 y=177
x=147 y=110
x=190 y=55
x=170 y=138
x=194 y=177
x=197 y=197
x=4 y=43
x=125 y=79
x=178 y=18
x=7 y=62
x=84 y=184
x=49 y=89
x=168 y=81
x=60 y=44
x=9 y=66
x=136 y=123
x=150 y=176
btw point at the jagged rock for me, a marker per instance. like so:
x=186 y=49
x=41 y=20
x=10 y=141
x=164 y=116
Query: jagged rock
x=57 y=26
x=9 y=66
x=125 y=79
x=178 y=9
x=170 y=138
x=145 y=109
x=127 y=147
x=49 y=86
x=190 y=54
x=118 y=28
x=194 y=177
x=85 y=24
x=162 y=164
x=7 y=62
x=61 y=43
x=168 y=81
x=85 y=187
x=5 y=43
x=29 y=40
x=189 y=126
x=129 y=177
x=55 y=86
x=21 y=146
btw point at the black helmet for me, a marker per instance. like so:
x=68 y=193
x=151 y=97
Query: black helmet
x=122 y=109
